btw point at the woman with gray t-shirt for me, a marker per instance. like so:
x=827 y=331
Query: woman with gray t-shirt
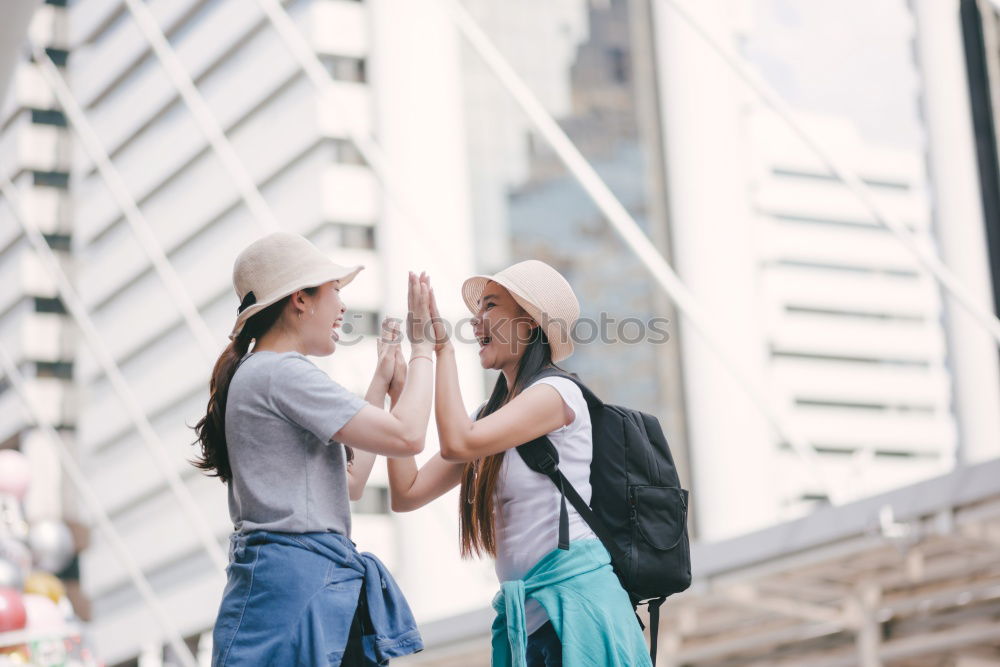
x=294 y=447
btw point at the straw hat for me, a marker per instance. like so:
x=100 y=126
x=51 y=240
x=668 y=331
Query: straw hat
x=542 y=292
x=272 y=267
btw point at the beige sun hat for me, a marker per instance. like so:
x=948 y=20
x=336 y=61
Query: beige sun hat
x=272 y=267
x=542 y=292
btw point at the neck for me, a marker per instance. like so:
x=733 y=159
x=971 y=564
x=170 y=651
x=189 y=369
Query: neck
x=509 y=371
x=277 y=340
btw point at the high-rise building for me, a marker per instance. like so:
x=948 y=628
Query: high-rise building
x=851 y=339
x=295 y=146
x=35 y=154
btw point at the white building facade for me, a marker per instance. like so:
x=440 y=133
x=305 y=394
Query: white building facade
x=295 y=144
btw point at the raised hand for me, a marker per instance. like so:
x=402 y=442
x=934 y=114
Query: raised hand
x=439 y=330
x=388 y=341
x=418 y=317
x=398 y=374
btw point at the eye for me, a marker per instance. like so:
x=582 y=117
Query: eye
x=489 y=305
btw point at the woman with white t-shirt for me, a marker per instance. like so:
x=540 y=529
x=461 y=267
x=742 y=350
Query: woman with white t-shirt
x=568 y=604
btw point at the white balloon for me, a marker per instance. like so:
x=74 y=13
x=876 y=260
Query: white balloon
x=11 y=576
x=52 y=544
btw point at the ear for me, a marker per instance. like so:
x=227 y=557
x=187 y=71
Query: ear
x=299 y=301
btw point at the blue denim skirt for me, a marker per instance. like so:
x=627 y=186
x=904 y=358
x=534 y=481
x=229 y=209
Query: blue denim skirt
x=284 y=604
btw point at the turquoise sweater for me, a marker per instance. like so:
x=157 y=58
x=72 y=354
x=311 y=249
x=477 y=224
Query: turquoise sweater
x=589 y=609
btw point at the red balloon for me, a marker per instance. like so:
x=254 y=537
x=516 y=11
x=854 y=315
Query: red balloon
x=13 y=615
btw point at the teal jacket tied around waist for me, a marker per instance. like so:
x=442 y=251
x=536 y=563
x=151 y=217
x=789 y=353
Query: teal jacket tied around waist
x=588 y=608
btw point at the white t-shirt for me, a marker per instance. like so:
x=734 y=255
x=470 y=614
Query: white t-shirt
x=527 y=507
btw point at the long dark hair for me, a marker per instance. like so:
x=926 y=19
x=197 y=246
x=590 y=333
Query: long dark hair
x=211 y=429
x=477 y=524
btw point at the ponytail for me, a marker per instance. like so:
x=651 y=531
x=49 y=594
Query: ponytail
x=211 y=429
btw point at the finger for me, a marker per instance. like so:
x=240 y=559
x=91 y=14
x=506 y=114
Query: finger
x=425 y=298
x=433 y=304
x=385 y=330
x=414 y=288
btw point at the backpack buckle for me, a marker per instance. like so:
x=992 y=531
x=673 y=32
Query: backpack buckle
x=546 y=464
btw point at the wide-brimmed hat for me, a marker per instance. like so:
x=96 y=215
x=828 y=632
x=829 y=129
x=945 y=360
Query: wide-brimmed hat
x=272 y=267
x=542 y=292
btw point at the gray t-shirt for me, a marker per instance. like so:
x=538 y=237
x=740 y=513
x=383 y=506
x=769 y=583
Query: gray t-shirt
x=288 y=474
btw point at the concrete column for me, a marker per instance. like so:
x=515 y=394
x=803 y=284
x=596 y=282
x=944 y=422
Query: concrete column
x=711 y=228
x=959 y=226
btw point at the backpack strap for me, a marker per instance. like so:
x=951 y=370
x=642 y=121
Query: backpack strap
x=541 y=456
x=654 y=625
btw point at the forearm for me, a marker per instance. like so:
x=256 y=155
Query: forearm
x=410 y=488
x=414 y=405
x=453 y=423
x=360 y=469
x=402 y=475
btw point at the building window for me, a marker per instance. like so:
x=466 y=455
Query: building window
x=62 y=370
x=58 y=56
x=48 y=117
x=374 y=500
x=346 y=68
x=52 y=179
x=619 y=64
x=345 y=152
x=357 y=236
x=59 y=242
x=45 y=304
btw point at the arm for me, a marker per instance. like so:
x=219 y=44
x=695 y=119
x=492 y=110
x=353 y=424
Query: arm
x=359 y=470
x=411 y=489
x=401 y=431
x=532 y=413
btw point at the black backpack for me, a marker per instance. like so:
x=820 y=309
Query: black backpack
x=638 y=508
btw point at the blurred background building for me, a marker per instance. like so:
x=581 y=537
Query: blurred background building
x=882 y=547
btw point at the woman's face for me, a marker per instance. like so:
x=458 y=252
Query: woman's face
x=501 y=327
x=320 y=320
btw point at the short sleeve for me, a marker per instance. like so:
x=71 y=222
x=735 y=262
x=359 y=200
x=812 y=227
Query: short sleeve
x=569 y=391
x=306 y=396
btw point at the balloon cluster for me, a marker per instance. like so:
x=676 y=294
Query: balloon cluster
x=34 y=608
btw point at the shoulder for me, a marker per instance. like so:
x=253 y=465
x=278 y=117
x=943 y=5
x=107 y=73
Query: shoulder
x=293 y=363
x=294 y=372
x=574 y=404
x=568 y=390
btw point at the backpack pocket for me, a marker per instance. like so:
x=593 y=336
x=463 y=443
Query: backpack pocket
x=660 y=562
